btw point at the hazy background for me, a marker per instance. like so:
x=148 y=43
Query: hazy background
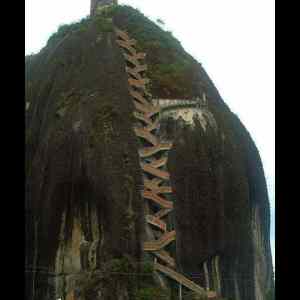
x=233 y=39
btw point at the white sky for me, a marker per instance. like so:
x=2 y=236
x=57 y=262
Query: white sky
x=233 y=39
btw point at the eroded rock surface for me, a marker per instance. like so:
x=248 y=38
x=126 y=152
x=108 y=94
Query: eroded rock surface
x=85 y=214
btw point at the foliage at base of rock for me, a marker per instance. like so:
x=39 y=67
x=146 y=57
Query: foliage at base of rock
x=151 y=293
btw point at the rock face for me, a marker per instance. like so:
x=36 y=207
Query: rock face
x=83 y=175
x=85 y=214
x=221 y=210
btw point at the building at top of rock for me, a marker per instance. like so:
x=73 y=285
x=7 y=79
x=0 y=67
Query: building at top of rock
x=98 y=3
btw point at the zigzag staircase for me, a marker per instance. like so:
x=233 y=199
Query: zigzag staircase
x=153 y=160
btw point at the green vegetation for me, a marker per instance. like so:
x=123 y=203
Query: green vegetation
x=147 y=268
x=107 y=11
x=120 y=265
x=270 y=295
x=169 y=66
x=142 y=286
x=160 y=21
x=104 y=24
x=66 y=29
x=103 y=20
x=138 y=278
x=172 y=76
x=150 y=293
x=66 y=102
x=126 y=265
x=142 y=28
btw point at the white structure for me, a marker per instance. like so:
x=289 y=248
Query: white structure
x=188 y=110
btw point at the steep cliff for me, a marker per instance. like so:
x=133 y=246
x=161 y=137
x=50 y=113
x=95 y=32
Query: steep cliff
x=85 y=214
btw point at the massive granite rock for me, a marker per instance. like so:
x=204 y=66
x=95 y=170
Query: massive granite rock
x=82 y=170
x=84 y=210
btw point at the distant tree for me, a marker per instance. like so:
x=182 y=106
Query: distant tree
x=160 y=21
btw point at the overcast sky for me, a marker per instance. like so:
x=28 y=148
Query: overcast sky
x=233 y=39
